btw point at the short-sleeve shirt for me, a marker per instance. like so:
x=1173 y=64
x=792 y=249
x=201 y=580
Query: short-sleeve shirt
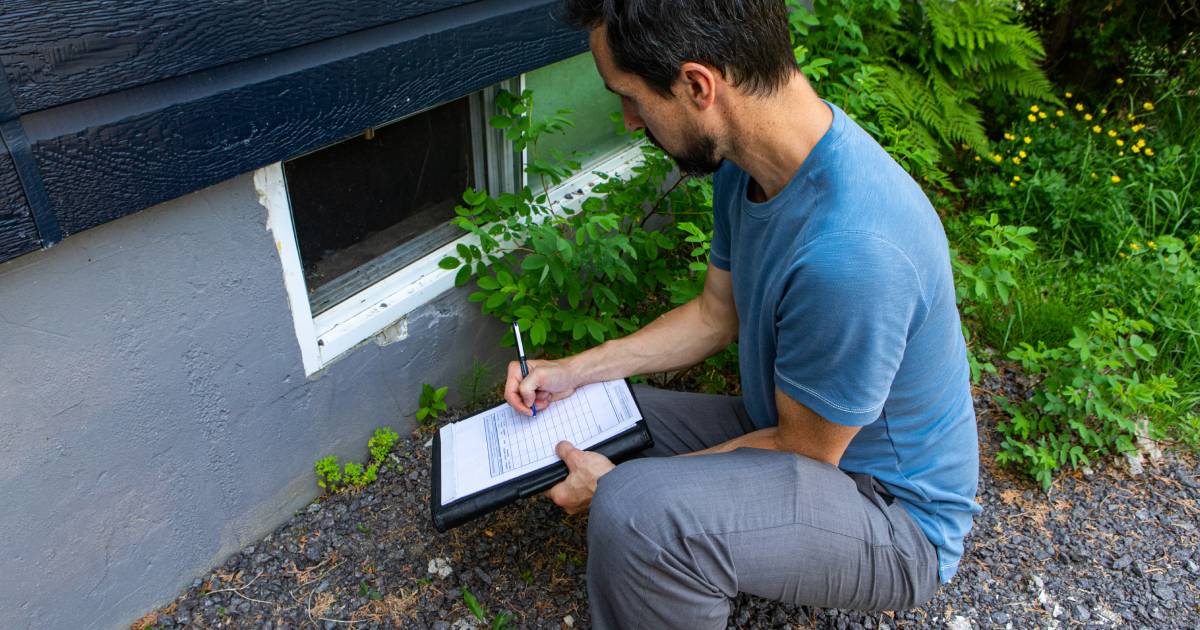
x=845 y=301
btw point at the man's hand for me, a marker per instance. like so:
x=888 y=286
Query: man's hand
x=574 y=493
x=547 y=381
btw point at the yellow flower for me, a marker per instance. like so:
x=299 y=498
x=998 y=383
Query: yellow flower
x=1097 y=128
x=1129 y=116
x=997 y=158
x=1151 y=245
x=1032 y=118
x=1138 y=127
x=1041 y=114
x=1033 y=108
x=1095 y=176
x=1053 y=126
x=1120 y=142
x=1022 y=155
x=1027 y=139
x=1141 y=142
x=1087 y=116
x=1016 y=178
x=1134 y=246
x=1136 y=149
x=1009 y=136
x=1078 y=107
x=1112 y=133
x=1122 y=254
x=1148 y=106
x=976 y=158
x=1149 y=151
x=1012 y=184
x=965 y=147
x=1120 y=81
x=1069 y=95
x=1103 y=111
x=1115 y=179
x=1121 y=153
x=1058 y=112
x=1016 y=160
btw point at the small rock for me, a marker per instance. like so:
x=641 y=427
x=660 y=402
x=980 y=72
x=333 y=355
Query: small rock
x=1123 y=562
x=1000 y=618
x=315 y=507
x=569 y=620
x=440 y=567
x=960 y=622
x=322 y=587
x=1164 y=592
x=440 y=625
x=1082 y=613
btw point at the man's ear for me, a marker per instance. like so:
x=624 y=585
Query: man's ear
x=699 y=84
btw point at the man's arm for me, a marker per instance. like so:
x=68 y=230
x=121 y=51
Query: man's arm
x=680 y=338
x=800 y=430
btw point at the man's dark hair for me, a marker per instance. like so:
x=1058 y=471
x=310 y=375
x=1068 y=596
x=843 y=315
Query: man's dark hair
x=747 y=40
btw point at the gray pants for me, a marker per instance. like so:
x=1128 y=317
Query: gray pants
x=672 y=539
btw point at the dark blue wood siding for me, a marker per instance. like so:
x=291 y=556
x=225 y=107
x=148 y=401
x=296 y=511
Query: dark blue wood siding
x=69 y=50
x=197 y=117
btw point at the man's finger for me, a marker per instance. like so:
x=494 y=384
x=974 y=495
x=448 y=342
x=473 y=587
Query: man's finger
x=567 y=453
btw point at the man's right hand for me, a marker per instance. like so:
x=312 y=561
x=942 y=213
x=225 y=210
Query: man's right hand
x=548 y=381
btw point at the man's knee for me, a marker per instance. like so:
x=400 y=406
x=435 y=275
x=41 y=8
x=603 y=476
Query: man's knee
x=630 y=502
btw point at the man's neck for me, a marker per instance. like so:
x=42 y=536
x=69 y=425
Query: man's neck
x=771 y=137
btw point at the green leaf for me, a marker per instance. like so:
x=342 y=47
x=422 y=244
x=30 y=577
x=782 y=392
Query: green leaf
x=449 y=262
x=488 y=283
x=473 y=605
x=500 y=122
x=533 y=262
x=463 y=276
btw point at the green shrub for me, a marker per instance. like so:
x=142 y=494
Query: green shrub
x=333 y=477
x=1091 y=397
x=431 y=404
x=575 y=279
x=914 y=74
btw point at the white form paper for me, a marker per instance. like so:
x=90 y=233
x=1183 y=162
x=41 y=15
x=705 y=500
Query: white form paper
x=500 y=444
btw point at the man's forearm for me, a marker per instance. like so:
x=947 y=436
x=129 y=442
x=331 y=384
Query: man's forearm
x=679 y=338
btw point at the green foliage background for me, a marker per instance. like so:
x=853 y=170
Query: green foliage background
x=1071 y=210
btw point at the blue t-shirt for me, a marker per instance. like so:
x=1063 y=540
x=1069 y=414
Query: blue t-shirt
x=845 y=302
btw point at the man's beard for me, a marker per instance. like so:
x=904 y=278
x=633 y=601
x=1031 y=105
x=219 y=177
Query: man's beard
x=699 y=157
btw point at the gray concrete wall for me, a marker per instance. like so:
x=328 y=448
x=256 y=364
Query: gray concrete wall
x=154 y=413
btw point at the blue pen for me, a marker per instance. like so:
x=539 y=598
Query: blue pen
x=521 y=356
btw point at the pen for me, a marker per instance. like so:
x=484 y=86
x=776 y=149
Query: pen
x=521 y=357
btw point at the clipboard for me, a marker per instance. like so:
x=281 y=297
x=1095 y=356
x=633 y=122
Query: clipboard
x=617 y=448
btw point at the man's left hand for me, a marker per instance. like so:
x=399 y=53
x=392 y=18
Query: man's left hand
x=574 y=493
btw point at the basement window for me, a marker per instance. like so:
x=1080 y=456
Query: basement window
x=360 y=225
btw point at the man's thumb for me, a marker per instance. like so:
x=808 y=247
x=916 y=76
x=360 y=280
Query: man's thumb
x=564 y=451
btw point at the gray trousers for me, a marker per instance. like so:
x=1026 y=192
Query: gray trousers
x=672 y=539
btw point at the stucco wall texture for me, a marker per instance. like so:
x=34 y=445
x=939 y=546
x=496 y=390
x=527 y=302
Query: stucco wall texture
x=154 y=413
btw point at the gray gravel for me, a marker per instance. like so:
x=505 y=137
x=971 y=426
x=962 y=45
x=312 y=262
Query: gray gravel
x=1105 y=549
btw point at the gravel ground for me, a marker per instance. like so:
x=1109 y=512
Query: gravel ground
x=1105 y=548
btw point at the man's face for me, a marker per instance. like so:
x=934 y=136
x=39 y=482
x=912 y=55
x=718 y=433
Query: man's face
x=669 y=123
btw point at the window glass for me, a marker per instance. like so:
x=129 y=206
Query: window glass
x=366 y=207
x=575 y=84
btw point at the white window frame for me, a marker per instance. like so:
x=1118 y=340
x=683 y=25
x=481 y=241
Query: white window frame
x=326 y=337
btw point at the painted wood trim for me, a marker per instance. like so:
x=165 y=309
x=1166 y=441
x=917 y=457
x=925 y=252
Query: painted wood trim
x=70 y=50
x=18 y=233
x=110 y=156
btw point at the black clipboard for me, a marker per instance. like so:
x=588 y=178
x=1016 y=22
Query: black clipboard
x=618 y=448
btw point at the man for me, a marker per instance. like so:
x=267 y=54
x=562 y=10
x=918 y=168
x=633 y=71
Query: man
x=846 y=474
